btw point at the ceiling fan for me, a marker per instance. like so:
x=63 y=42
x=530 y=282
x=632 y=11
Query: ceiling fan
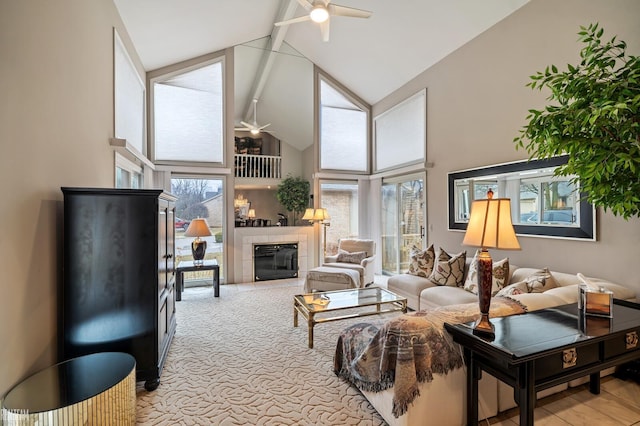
x=254 y=127
x=321 y=11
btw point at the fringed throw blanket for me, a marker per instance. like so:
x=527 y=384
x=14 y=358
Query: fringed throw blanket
x=407 y=350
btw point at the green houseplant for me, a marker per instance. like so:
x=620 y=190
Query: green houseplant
x=293 y=194
x=594 y=117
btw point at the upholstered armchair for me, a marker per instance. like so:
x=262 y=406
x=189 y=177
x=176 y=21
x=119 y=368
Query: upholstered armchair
x=356 y=254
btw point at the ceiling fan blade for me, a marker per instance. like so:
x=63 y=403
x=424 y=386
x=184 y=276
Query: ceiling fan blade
x=307 y=6
x=293 y=21
x=324 y=30
x=337 y=10
x=247 y=125
x=266 y=125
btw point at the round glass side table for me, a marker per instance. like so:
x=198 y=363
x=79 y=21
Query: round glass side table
x=94 y=389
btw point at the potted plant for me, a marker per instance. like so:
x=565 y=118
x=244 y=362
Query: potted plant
x=594 y=117
x=293 y=194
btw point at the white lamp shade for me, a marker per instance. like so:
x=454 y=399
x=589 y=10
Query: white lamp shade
x=490 y=225
x=198 y=228
x=321 y=215
x=251 y=214
x=316 y=215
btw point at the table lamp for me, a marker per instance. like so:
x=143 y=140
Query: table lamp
x=489 y=227
x=251 y=215
x=198 y=228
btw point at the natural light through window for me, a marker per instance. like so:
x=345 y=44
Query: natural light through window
x=188 y=116
x=343 y=132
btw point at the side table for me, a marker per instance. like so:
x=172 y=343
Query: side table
x=188 y=266
x=541 y=349
x=89 y=390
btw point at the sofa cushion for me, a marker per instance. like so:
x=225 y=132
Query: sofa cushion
x=351 y=257
x=449 y=269
x=445 y=295
x=409 y=286
x=500 y=275
x=421 y=261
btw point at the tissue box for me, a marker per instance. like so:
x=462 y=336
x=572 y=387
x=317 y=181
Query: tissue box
x=598 y=303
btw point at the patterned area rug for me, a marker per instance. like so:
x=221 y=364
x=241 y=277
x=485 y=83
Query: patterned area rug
x=238 y=360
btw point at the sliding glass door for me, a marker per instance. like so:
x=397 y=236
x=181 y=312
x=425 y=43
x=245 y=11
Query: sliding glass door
x=402 y=221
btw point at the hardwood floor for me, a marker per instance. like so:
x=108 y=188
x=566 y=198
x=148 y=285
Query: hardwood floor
x=617 y=404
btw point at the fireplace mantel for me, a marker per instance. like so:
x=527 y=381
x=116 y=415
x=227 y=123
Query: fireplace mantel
x=246 y=237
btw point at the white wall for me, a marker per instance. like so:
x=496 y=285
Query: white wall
x=56 y=118
x=477 y=102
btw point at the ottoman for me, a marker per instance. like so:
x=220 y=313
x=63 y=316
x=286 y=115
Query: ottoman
x=327 y=278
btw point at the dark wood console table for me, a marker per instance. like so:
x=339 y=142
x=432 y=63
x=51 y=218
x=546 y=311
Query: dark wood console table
x=542 y=349
x=188 y=266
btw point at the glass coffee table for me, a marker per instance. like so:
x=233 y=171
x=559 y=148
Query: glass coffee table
x=365 y=302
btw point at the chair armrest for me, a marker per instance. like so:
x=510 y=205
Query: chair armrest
x=367 y=260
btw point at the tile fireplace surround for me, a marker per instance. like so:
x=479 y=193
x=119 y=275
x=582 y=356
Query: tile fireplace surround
x=245 y=238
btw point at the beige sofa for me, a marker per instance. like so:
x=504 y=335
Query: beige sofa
x=364 y=267
x=442 y=401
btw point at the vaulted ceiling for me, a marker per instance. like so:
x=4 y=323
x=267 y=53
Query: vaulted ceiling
x=372 y=57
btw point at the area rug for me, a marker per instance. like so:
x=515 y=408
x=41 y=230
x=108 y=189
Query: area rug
x=238 y=360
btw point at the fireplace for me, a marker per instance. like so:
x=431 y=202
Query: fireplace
x=275 y=261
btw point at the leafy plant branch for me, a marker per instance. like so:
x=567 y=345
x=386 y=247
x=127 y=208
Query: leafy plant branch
x=594 y=117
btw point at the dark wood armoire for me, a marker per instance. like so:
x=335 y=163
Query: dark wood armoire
x=118 y=292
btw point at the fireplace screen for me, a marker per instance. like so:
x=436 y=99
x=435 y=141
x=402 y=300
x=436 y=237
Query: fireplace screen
x=275 y=261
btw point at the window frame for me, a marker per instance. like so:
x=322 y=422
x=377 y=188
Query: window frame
x=170 y=72
x=393 y=119
x=586 y=231
x=322 y=77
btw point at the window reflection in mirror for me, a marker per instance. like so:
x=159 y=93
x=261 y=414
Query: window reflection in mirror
x=541 y=203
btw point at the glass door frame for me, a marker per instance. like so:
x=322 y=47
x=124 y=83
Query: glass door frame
x=400 y=246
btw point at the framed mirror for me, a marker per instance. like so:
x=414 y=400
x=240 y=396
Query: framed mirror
x=542 y=204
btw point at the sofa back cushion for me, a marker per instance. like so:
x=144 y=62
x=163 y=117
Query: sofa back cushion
x=355 y=244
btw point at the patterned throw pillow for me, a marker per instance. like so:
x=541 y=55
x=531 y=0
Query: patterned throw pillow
x=515 y=288
x=541 y=281
x=421 y=261
x=449 y=270
x=351 y=257
x=500 y=275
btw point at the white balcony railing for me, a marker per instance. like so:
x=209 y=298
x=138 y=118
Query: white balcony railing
x=258 y=166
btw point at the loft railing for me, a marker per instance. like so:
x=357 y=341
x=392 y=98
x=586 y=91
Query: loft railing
x=258 y=166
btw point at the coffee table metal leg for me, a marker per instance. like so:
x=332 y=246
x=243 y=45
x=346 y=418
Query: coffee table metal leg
x=310 y=324
x=295 y=314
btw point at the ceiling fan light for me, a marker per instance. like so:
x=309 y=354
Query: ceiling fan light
x=255 y=131
x=319 y=14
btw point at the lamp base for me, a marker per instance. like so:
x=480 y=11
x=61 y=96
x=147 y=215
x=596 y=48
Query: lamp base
x=198 y=249
x=483 y=326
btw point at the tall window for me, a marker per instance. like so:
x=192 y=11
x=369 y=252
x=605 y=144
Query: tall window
x=402 y=221
x=341 y=201
x=188 y=115
x=199 y=197
x=128 y=98
x=343 y=132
